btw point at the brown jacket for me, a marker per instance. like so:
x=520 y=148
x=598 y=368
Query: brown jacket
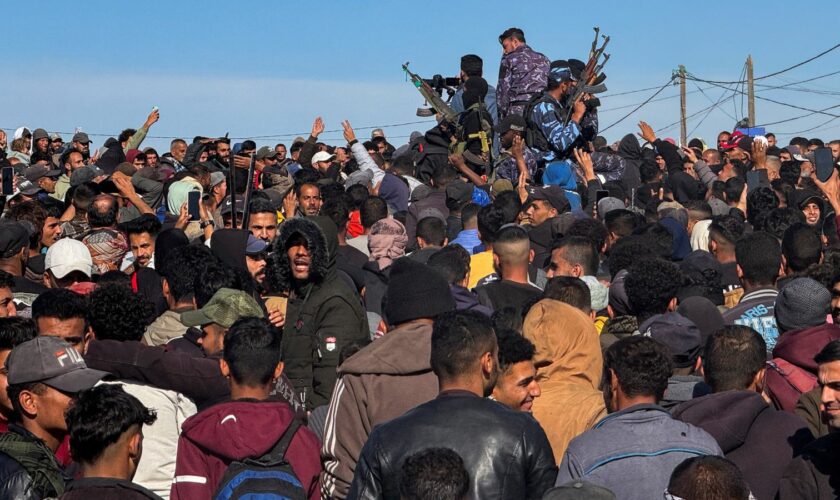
x=569 y=365
x=381 y=382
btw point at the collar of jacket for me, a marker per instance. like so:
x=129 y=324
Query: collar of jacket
x=644 y=407
x=453 y=393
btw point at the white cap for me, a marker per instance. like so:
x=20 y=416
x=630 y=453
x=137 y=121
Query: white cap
x=321 y=156
x=67 y=255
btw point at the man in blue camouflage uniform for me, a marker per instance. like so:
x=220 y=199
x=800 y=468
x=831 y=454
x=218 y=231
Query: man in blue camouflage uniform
x=522 y=74
x=506 y=166
x=548 y=115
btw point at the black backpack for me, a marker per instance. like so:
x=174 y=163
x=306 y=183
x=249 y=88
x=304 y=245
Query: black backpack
x=269 y=476
x=534 y=137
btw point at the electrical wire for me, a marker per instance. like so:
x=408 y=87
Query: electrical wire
x=764 y=77
x=305 y=134
x=649 y=99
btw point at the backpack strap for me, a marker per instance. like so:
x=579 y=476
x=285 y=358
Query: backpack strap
x=798 y=378
x=277 y=454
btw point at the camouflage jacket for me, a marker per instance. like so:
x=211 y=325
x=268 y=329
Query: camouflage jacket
x=548 y=115
x=523 y=73
x=506 y=166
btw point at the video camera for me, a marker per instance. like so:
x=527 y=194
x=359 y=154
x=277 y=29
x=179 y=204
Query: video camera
x=440 y=83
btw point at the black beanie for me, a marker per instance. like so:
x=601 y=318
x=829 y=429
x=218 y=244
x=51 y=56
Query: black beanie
x=415 y=291
x=472 y=65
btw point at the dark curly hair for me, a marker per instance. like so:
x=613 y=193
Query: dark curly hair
x=760 y=203
x=591 y=229
x=650 y=286
x=626 y=251
x=434 y=473
x=778 y=220
x=641 y=365
x=117 y=313
x=513 y=348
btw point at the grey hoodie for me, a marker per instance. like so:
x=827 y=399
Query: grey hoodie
x=634 y=451
x=379 y=383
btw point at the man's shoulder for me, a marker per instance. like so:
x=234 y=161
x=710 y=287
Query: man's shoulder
x=823 y=450
x=662 y=425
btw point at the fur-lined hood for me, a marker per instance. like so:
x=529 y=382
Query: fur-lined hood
x=321 y=235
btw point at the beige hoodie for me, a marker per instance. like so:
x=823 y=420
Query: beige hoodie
x=569 y=365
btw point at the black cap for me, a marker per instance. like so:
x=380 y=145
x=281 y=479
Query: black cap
x=512 y=32
x=459 y=192
x=227 y=206
x=13 y=237
x=677 y=332
x=554 y=195
x=511 y=122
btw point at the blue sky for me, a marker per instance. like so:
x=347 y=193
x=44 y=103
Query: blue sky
x=268 y=68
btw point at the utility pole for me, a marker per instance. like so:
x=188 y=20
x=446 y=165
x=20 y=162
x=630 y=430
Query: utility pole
x=683 y=133
x=750 y=93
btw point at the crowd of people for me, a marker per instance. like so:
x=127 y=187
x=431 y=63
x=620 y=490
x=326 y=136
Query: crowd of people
x=507 y=306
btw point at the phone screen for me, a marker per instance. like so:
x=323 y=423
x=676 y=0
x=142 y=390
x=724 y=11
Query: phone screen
x=824 y=163
x=8 y=176
x=601 y=194
x=193 y=199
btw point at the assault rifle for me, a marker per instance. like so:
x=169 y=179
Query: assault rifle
x=591 y=72
x=431 y=96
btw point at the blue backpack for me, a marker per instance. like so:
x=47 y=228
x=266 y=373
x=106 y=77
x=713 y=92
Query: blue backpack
x=268 y=477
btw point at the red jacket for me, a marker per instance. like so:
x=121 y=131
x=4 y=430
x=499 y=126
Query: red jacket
x=785 y=383
x=212 y=439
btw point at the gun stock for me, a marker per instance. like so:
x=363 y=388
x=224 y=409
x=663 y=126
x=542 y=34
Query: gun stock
x=431 y=96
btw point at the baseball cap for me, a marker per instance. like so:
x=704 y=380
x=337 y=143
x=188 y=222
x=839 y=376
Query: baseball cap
x=29 y=188
x=255 y=246
x=554 y=195
x=733 y=140
x=52 y=362
x=608 y=204
x=216 y=178
x=226 y=306
x=227 y=206
x=500 y=186
x=511 y=122
x=377 y=132
x=363 y=177
x=322 y=156
x=13 y=237
x=85 y=174
x=677 y=332
x=55 y=136
x=67 y=255
x=81 y=137
x=266 y=152
x=459 y=192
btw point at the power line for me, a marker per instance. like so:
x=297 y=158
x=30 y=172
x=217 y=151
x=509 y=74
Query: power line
x=806 y=61
x=367 y=127
x=639 y=106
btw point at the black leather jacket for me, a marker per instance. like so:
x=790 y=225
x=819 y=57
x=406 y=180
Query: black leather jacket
x=505 y=452
x=15 y=482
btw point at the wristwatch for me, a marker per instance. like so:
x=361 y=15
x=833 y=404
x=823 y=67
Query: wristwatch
x=205 y=223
